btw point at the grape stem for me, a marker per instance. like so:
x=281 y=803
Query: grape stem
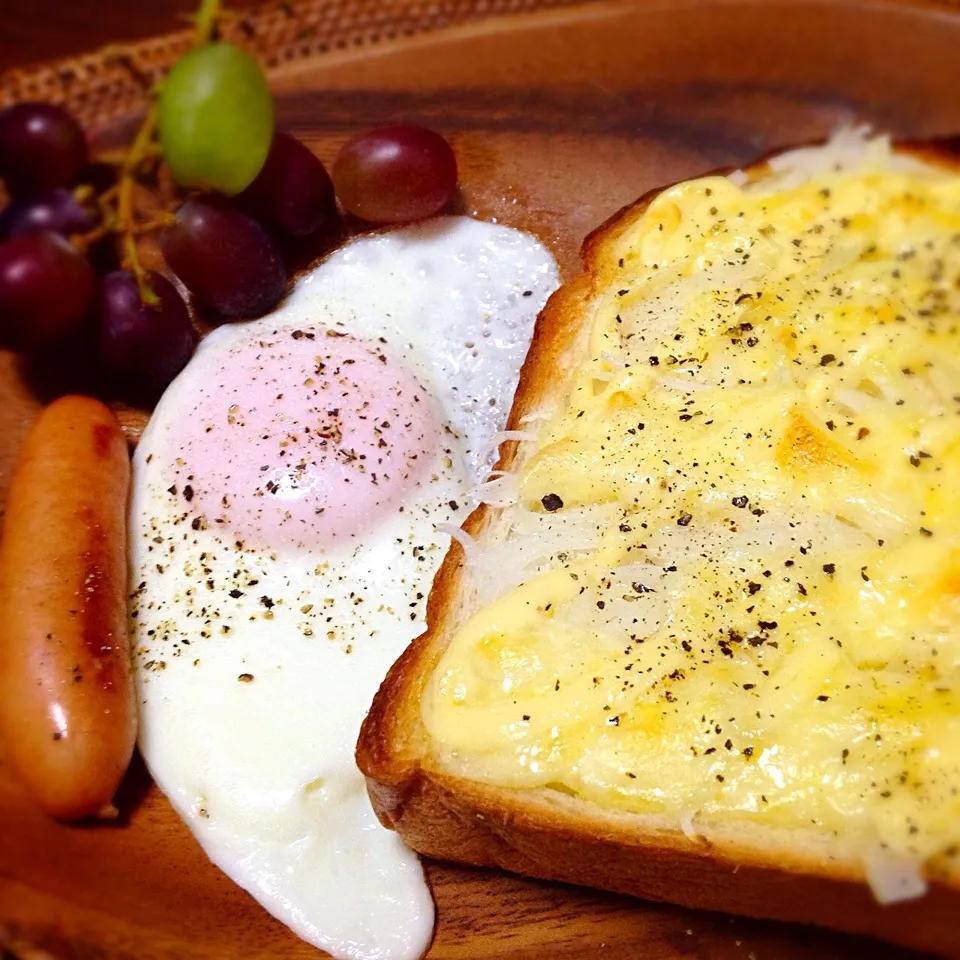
x=161 y=221
x=84 y=241
x=130 y=259
x=117 y=158
x=144 y=147
x=205 y=21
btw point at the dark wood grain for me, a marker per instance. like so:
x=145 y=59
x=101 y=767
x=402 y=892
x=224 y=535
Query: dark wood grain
x=35 y=30
x=558 y=119
x=143 y=889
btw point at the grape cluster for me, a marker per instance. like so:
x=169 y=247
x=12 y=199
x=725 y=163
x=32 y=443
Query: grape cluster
x=250 y=194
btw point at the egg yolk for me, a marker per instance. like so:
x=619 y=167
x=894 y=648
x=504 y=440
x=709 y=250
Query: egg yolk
x=303 y=439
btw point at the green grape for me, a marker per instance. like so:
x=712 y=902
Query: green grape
x=215 y=118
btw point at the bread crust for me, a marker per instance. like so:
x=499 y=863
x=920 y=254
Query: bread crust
x=754 y=870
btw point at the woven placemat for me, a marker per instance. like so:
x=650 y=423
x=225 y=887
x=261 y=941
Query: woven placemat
x=112 y=82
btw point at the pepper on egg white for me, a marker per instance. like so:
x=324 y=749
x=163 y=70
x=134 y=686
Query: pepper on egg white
x=287 y=494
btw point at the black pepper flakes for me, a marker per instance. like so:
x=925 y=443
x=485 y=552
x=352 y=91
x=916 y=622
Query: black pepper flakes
x=551 y=502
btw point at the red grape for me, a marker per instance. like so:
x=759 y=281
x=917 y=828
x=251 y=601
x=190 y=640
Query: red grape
x=142 y=346
x=293 y=193
x=55 y=209
x=41 y=145
x=224 y=258
x=395 y=174
x=46 y=290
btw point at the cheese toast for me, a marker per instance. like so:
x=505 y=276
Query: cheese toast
x=701 y=641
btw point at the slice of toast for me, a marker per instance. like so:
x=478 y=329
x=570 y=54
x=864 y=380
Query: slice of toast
x=447 y=806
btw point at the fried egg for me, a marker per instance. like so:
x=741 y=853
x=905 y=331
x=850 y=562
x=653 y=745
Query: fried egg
x=284 y=526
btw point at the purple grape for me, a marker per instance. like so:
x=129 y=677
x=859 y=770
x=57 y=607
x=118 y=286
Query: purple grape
x=46 y=291
x=41 y=146
x=395 y=174
x=142 y=347
x=293 y=193
x=55 y=209
x=224 y=258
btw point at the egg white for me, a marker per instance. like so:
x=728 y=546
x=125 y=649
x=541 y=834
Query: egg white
x=255 y=667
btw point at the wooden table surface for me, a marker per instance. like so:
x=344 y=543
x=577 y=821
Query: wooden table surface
x=555 y=158
x=33 y=30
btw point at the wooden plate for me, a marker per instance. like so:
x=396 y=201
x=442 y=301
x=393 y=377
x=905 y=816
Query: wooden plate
x=559 y=114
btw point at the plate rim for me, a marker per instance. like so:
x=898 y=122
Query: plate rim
x=115 y=80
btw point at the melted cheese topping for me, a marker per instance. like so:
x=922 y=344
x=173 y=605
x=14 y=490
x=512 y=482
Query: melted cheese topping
x=763 y=437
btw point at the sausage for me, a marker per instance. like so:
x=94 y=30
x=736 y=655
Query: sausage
x=67 y=709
